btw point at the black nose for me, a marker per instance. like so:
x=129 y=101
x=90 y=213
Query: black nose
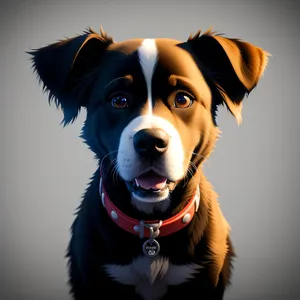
x=151 y=143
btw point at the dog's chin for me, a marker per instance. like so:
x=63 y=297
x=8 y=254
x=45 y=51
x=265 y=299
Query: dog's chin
x=149 y=201
x=150 y=205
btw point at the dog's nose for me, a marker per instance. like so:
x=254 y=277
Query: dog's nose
x=151 y=143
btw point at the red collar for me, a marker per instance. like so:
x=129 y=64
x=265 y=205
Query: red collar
x=142 y=228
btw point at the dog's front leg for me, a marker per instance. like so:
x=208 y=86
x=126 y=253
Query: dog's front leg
x=100 y=287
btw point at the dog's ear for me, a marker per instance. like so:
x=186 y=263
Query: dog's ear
x=64 y=68
x=231 y=66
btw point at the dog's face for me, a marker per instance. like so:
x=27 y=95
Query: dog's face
x=151 y=103
x=155 y=108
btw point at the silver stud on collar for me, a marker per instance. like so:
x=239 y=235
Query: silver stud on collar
x=136 y=228
x=100 y=186
x=102 y=199
x=114 y=215
x=186 y=218
x=100 y=192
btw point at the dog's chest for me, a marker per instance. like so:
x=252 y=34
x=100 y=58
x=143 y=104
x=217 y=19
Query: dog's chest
x=151 y=276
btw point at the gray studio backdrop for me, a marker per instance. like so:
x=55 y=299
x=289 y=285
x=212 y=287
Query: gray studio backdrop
x=45 y=168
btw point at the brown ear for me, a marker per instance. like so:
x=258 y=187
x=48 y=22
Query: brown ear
x=232 y=67
x=63 y=68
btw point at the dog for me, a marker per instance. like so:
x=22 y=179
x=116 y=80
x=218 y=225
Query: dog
x=149 y=225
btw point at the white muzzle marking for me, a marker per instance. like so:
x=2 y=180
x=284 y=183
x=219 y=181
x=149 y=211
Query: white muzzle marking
x=170 y=164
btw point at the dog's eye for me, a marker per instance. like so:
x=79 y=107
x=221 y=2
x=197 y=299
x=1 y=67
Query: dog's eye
x=183 y=100
x=119 y=101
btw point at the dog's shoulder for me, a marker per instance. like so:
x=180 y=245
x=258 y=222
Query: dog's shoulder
x=217 y=229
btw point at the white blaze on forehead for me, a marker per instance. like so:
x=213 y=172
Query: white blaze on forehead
x=148 y=54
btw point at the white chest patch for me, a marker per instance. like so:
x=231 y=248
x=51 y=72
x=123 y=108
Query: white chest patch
x=151 y=276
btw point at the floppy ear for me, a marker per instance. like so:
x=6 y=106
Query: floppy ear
x=232 y=67
x=64 y=68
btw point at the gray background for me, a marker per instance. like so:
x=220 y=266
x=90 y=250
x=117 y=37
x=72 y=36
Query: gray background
x=254 y=169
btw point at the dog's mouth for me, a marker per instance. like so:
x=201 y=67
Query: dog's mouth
x=151 y=181
x=150 y=187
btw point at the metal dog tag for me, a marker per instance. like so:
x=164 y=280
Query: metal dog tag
x=151 y=247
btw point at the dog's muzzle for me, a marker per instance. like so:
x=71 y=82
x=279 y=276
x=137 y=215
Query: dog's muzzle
x=150 y=144
x=150 y=159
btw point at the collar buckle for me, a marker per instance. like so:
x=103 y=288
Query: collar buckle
x=153 y=229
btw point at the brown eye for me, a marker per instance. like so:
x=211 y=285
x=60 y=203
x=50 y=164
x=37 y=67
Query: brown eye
x=183 y=100
x=119 y=101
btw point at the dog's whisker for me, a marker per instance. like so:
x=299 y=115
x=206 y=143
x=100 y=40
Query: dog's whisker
x=111 y=167
x=197 y=154
x=186 y=179
x=105 y=156
x=114 y=171
x=190 y=172
x=192 y=164
x=205 y=159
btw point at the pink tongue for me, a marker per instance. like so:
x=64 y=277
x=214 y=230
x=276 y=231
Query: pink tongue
x=151 y=180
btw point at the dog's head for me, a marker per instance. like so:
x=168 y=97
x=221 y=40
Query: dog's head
x=151 y=103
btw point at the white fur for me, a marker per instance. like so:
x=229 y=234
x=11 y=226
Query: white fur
x=170 y=164
x=151 y=276
x=147 y=53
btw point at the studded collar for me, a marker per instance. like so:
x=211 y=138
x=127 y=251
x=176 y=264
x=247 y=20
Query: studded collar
x=150 y=228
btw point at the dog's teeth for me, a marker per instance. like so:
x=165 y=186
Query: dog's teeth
x=136 y=182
